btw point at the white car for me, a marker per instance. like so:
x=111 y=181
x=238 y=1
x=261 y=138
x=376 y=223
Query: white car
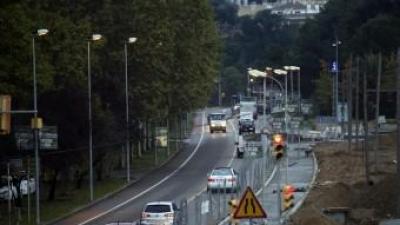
x=159 y=213
x=223 y=178
x=7 y=193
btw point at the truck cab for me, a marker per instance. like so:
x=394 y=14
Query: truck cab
x=246 y=123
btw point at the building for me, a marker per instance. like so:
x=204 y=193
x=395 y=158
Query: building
x=293 y=10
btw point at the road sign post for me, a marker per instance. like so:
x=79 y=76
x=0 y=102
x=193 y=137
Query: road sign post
x=249 y=207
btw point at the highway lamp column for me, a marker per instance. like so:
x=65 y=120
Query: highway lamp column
x=336 y=80
x=95 y=37
x=128 y=168
x=40 y=32
x=264 y=101
x=298 y=88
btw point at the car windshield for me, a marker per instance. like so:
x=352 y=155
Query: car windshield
x=157 y=208
x=222 y=172
x=217 y=116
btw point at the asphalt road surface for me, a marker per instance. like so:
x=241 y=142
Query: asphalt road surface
x=183 y=177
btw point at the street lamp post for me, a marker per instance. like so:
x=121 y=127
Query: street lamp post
x=336 y=80
x=93 y=38
x=128 y=168
x=284 y=72
x=38 y=33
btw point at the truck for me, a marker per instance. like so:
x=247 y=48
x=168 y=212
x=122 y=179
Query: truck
x=248 y=105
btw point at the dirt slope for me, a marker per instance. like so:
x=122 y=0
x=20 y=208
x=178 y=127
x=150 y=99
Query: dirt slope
x=341 y=182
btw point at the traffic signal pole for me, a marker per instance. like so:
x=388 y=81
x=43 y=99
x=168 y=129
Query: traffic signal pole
x=279 y=192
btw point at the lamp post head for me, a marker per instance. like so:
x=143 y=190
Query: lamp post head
x=132 y=40
x=295 y=68
x=337 y=43
x=95 y=37
x=280 y=72
x=42 y=32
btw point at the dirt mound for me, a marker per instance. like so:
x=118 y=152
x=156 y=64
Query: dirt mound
x=311 y=215
x=341 y=182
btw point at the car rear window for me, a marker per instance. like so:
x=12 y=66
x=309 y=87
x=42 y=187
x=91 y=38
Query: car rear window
x=222 y=172
x=158 y=208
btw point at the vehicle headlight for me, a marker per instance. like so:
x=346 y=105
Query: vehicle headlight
x=213 y=125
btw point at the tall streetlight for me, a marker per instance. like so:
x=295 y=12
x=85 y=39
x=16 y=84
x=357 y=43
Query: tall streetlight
x=292 y=69
x=128 y=167
x=336 y=80
x=257 y=73
x=284 y=73
x=38 y=33
x=93 y=38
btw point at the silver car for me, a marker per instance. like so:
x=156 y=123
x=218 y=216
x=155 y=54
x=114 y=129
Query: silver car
x=223 y=178
x=159 y=213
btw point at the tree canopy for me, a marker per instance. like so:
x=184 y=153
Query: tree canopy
x=171 y=67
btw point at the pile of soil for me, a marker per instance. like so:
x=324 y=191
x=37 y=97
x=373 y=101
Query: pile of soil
x=341 y=182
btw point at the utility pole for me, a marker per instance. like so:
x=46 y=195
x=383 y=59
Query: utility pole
x=365 y=111
x=398 y=126
x=378 y=91
x=357 y=101
x=350 y=103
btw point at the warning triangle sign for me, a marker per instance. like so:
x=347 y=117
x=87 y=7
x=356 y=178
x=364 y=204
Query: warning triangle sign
x=249 y=207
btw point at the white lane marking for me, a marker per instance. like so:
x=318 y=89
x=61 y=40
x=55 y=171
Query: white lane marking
x=155 y=185
x=229 y=164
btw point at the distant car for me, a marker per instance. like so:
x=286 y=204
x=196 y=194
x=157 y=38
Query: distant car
x=246 y=125
x=159 y=213
x=217 y=122
x=223 y=178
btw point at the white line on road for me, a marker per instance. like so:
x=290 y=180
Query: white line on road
x=155 y=185
x=229 y=164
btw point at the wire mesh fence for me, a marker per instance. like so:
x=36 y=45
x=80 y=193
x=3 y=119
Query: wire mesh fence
x=211 y=207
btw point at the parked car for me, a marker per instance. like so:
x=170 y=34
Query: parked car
x=9 y=193
x=160 y=213
x=223 y=178
x=217 y=122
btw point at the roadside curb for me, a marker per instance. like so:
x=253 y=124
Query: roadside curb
x=300 y=203
x=110 y=194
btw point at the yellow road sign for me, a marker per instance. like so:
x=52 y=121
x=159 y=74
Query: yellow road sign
x=249 y=207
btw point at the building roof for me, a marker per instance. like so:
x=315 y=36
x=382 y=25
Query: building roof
x=291 y=5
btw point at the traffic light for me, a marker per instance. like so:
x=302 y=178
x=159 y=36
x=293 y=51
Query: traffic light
x=278 y=145
x=5 y=117
x=288 y=196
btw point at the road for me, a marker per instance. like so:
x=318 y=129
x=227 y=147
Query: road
x=204 y=152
